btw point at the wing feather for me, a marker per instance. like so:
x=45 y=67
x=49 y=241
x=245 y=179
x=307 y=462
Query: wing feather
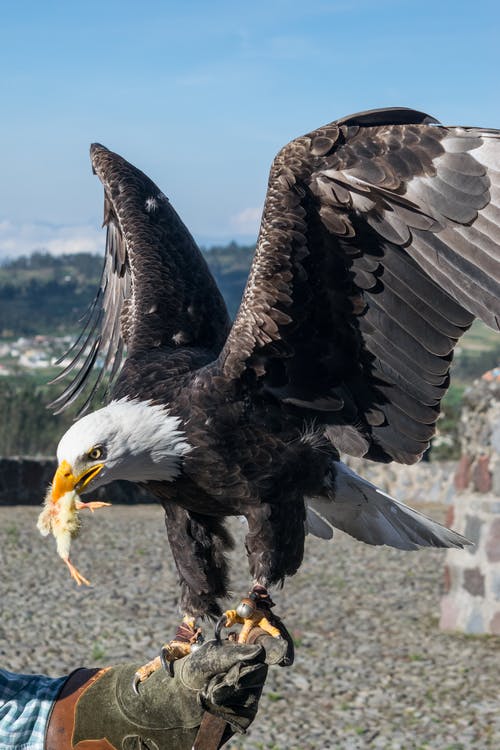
x=156 y=291
x=380 y=232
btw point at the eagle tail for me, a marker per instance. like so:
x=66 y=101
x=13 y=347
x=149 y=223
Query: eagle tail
x=356 y=506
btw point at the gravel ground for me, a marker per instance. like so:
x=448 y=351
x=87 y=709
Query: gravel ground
x=372 y=669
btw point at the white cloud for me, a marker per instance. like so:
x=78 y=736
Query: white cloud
x=247 y=221
x=18 y=238
x=22 y=239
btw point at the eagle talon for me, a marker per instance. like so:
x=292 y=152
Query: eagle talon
x=254 y=614
x=166 y=664
x=219 y=626
x=187 y=638
x=144 y=672
x=136 y=681
x=249 y=616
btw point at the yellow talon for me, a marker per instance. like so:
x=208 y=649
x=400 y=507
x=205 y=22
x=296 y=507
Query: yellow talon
x=232 y=618
x=254 y=614
x=253 y=618
x=186 y=637
x=144 y=672
x=175 y=650
x=263 y=623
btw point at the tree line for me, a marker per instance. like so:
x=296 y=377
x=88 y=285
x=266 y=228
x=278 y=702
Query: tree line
x=46 y=294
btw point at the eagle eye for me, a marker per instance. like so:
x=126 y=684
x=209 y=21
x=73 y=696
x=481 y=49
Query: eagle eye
x=95 y=453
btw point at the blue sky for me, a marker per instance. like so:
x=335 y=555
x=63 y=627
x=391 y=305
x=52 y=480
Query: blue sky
x=201 y=95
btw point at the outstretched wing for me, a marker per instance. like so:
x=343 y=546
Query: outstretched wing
x=378 y=247
x=156 y=289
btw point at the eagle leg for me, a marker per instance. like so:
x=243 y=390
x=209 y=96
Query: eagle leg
x=187 y=637
x=199 y=547
x=272 y=557
x=253 y=612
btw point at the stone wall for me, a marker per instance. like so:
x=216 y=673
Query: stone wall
x=24 y=481
x=425 y=482
x=472 y=577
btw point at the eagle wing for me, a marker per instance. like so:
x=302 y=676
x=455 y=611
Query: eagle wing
x=378 y=247
x=155 y=290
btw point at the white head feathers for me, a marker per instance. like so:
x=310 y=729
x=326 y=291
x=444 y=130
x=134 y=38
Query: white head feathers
x=140 y=441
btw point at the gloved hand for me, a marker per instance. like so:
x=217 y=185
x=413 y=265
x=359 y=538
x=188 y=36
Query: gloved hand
x=228 y=679
x=99 y=705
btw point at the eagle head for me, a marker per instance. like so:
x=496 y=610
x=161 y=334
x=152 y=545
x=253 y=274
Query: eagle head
x=128 y=439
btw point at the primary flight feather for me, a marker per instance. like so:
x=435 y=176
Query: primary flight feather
x=378 y=247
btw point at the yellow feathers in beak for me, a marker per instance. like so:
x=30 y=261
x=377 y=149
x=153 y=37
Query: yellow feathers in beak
x=60 y=512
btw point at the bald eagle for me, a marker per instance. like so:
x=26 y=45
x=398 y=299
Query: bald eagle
x=378 y=247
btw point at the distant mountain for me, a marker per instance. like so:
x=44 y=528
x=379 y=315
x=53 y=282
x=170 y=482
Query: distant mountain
x=47 y=294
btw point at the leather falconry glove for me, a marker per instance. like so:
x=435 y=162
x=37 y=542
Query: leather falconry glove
x=98 y=709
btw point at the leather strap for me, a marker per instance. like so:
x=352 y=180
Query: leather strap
x=59 y=733
x=214 y=732
x=211 y=733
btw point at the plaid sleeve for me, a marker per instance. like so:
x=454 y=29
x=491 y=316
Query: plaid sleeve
x=25 y=704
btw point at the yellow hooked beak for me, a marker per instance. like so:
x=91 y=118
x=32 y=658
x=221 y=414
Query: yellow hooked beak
x=65 y=481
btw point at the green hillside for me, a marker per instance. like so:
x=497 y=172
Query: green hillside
x=45 y=294
x=477 y=351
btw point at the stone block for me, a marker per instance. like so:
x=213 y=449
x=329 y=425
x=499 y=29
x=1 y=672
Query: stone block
x=472 y=531
x=475 y=623
x=495 y=437
x=449 y=614
x=495 y=585
x=481 y=475
x=493 y=541
x=453 y=576
x=491 y=506
x=494 y=627
x=463 y=473
x=474 y=581
x=446 y=579
x=496 y=478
